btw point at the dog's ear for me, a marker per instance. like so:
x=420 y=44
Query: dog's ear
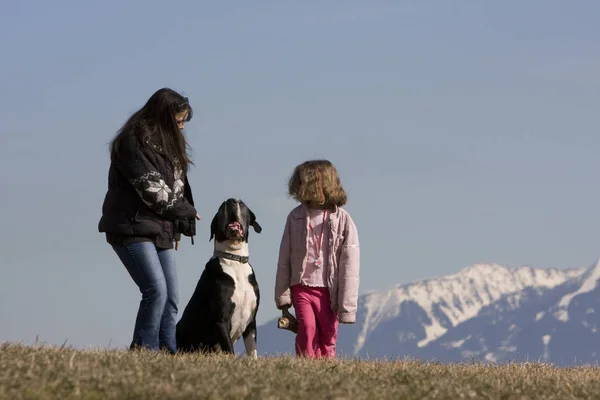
x=255 y=225
x=213 y=226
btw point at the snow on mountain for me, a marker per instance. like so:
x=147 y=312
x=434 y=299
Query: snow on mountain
x=531 y=325
x=589 y=283
x=453 y=299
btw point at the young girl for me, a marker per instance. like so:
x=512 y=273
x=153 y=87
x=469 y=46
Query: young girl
x=318 y=267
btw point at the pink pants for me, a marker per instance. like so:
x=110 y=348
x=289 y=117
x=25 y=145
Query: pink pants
x=317 y=323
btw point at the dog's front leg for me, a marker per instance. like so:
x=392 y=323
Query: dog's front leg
x=225 y=342
x=250 y=339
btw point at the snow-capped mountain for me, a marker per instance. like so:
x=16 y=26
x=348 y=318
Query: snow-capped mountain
x=483 y=312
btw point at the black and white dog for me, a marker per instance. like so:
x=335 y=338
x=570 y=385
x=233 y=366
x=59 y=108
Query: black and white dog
x=224 y=305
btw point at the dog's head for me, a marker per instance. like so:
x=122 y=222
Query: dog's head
x=233 y=221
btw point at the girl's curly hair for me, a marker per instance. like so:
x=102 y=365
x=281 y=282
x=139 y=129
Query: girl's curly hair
x=317 y=181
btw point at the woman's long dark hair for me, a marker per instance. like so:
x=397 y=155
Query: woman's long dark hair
x=155 y=122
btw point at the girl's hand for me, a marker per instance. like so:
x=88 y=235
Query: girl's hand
x=341 y=320
x=197 y=217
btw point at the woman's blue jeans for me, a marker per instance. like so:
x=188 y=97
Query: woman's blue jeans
x=154 y=272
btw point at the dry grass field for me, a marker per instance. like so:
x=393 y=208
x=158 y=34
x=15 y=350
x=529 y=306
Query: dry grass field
x=44 y=372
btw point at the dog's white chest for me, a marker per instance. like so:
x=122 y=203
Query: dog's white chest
x=243 y=297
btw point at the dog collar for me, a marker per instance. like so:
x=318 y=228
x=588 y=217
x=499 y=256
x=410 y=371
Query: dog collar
x=229 y=256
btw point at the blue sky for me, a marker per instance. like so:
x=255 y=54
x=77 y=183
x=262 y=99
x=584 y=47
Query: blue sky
x=464 y=132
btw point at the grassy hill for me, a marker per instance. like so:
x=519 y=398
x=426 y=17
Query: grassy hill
x=44 y=372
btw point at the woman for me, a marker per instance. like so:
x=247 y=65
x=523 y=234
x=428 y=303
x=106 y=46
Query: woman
x=147 y=207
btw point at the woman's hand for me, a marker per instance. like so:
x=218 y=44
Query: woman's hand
x=197 y=217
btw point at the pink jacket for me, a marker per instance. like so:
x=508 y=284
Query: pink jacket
x=344 y=261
